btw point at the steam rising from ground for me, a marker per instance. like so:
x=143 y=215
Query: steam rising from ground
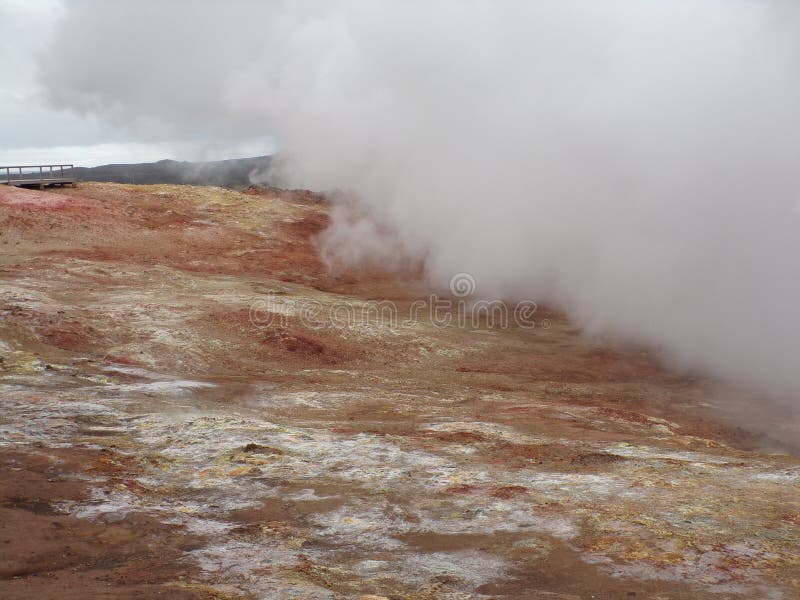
x=635 y=163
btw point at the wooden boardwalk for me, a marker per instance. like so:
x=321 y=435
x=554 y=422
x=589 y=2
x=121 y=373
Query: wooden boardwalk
x=37 y=175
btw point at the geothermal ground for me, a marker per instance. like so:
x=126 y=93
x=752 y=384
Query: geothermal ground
x=193 y=408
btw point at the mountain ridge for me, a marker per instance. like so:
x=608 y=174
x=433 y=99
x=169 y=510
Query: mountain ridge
x=233 y=173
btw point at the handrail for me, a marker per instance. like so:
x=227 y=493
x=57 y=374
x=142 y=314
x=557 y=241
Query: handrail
x=32 y=166
x=47 y=174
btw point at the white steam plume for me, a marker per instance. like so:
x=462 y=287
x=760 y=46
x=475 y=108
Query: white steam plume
x=636 y=163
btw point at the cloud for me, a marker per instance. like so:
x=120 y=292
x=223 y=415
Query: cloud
x=632 y=163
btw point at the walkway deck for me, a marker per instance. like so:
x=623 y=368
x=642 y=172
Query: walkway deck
x=37 y=175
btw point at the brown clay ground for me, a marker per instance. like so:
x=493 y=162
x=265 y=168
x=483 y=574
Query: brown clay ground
x=190 y=410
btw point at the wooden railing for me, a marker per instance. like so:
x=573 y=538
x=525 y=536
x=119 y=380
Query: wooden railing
x=37 y=175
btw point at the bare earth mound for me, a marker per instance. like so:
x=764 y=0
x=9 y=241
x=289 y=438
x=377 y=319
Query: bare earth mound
x=193 y=408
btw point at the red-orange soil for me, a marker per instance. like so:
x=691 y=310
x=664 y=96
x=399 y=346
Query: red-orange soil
x=194 y=407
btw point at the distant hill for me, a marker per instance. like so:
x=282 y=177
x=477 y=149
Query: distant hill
x=224 y=173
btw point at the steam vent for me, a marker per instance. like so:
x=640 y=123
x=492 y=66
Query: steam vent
x=350 y=300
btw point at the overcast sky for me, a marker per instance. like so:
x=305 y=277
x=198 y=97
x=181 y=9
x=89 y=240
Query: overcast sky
x=34 y=132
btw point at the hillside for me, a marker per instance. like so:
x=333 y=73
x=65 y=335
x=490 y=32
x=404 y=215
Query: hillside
x=222 y=173
x=193 y=407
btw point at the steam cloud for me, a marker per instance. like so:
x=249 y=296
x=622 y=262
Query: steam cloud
x=635 y=163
